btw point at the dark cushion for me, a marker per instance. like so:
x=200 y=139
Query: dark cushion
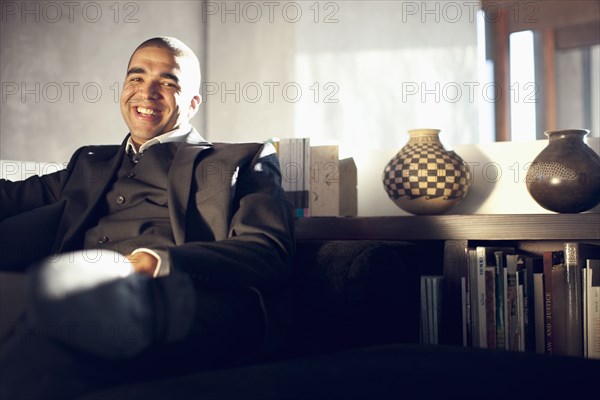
x=354 y=293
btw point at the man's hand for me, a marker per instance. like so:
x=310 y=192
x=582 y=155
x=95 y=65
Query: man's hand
x=143 y=262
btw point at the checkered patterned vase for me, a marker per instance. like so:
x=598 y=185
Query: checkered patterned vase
x=425 y=178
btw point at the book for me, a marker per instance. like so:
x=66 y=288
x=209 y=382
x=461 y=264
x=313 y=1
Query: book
x=512 y=302
x=473 y=271
x=485 y=258
x=294 y=159
x=471 y=261
x=431 y=308
x=324 y=181
x=521 y=308
x=538 y=296
x=501 y=327
x=533 y=265
x=584 y=295
x=490 y=306
x=424 y=317
x=554 y=301
x=436 y=284
x=465 y=303
x=592 y=290
x=576 y=254
x=333 y=183
x=348 y=188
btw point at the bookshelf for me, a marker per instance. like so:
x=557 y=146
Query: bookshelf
x=455 y=233
x=584 y=226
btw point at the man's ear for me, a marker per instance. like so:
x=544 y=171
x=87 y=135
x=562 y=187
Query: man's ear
x=194 y=105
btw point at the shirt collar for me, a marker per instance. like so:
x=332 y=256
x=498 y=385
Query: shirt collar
x=176 y=135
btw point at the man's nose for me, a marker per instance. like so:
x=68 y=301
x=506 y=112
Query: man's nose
x=149 y=90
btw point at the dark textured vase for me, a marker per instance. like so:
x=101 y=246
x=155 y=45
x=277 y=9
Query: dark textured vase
x=565 y=176
x=425 y=178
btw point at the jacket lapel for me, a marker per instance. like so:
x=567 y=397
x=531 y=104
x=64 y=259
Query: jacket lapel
x=180 y=181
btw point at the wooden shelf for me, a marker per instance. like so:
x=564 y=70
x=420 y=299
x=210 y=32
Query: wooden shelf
x=584 y=226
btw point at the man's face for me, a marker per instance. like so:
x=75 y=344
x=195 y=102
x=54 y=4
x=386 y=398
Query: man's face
x=157 y=95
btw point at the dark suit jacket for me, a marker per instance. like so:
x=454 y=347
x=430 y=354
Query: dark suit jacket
x=232 y=225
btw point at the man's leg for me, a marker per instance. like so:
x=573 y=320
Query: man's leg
x=123 y=330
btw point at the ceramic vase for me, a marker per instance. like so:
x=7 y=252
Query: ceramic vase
x=425 y=178
x=565 y=175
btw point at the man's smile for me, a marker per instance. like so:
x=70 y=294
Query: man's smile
x=147 y=112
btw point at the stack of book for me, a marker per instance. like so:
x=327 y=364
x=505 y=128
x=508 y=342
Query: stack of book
x=548 y=303
x=315 y=180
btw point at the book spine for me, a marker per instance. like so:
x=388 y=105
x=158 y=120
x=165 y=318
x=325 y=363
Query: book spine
x=593 y=307
x=424 y=326
x=584 y=309
x=573 y=323
x=538 y=294
x=465 y=306
x=520 y=311
x=474 y=293
x=533 y=265
x=430 y=336
x=500 y=302
x=306 y=176
x=548 y=337
x=559 y=312
x=481 y=263
x=511 y=302
x=490 y=306
x=437 y=307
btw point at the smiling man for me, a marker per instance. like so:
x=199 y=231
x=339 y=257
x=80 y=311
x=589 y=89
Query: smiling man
x=170 y=259
x=160 y=91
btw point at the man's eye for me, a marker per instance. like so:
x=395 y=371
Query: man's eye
x=135 y=79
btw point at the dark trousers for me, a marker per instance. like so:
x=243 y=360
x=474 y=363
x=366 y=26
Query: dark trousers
x=126 y=330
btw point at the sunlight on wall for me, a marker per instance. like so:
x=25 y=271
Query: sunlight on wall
x=370 y=82
x=522 y=87
x=485 y=72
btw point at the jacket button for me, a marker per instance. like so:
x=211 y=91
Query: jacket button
x=103 y=239
x=120 y=199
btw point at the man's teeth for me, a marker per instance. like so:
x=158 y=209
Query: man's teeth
x=146 y=111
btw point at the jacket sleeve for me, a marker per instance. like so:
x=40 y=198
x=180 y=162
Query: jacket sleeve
x=260 y=242
x=36 y=191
